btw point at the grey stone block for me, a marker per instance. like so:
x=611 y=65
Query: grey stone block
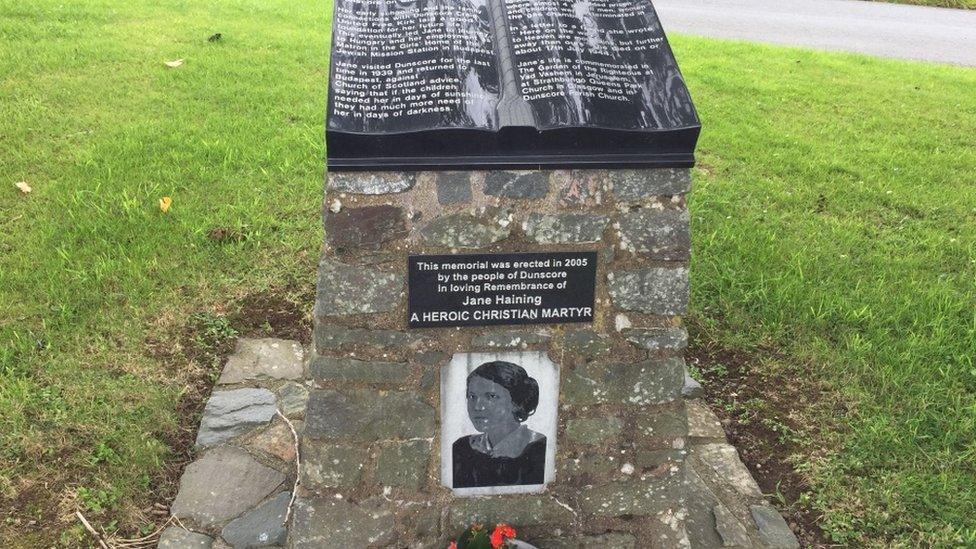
x=221 y=485
x=633 y=185
x=368 y=416
x=328 y=336
x=663 y=427
x=403 y=464
x=589 y=468
x=654 y=290
x=658 y=339
x=453 y=187
x=292 y=399
x=467 y=230
x=178 y=538
x=532 y=184
x=613 y=540
x=349 y=290
x=593 y=430
x=656 y=234
x=773 y=530
x=266 y=358
x=525 y=511
x=648 y=495
x=232 y=413
x=329 y=465
x=647 y=458
x=365 y=228
x=262 y=526
x=650 y=382
x=580 y=187
x=425 y=525
x=371 y=182
x=586 y=343
x=509 y=339
x=331 y=522
x=571 y=228
x=326 y=368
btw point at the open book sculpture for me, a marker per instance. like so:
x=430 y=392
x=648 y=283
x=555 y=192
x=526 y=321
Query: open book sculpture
x=461 y=84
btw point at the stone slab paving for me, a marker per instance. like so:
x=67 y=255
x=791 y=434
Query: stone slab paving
x=238 y=490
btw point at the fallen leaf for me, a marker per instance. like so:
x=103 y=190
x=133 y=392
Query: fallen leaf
x=174 y=63
x=164 y=204
x=214 y=37
x=24 y=187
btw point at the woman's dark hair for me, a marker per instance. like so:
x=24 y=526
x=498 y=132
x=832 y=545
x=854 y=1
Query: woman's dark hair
x=523 y=389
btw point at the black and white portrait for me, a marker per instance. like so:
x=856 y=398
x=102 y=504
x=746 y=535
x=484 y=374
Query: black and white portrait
x=498 y=422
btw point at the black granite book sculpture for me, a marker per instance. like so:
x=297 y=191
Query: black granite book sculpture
x=468 y=84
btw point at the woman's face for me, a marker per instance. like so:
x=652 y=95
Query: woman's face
x=489 y=404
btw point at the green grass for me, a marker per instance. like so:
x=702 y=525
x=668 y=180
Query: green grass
x=834 y=219
x=90 y=269
x=958 y=4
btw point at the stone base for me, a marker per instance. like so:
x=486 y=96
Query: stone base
x=237 y=492
x=636 y=465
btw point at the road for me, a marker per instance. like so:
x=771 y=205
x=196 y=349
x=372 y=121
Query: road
x=886 y=30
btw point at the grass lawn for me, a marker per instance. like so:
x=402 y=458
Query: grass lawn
x=959 y=4
x=834 y=220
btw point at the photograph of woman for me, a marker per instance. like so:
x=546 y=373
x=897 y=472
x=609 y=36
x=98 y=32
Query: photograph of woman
x=500 y=398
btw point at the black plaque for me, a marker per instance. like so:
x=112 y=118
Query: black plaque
x=421 y=84
x=494 y=289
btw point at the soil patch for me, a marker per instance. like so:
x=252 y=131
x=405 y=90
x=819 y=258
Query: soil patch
x=762 y=413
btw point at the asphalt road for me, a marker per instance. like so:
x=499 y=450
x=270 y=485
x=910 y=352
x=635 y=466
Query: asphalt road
x=875 y=28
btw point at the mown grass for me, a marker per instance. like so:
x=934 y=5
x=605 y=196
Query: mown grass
x=958 y=4
x=834 y=218
x=91 y=270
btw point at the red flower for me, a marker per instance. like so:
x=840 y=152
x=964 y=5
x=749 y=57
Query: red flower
x=453 y=545
x=502 y=532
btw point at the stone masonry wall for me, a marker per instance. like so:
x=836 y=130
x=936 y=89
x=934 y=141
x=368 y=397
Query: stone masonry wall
x=370 y=453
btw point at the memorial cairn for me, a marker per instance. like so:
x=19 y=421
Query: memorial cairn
x=498 y=334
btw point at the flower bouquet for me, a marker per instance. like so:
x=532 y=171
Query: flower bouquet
x=478 y=536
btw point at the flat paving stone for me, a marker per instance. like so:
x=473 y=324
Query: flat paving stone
x=262 y=526
x=277 y=441
x=221 y=485
x=292 y=400
x=175 y=537
x=232 y=413
x=266 y=358
x=732 y=532
x=773 y=530
x=724 y=461
x=702 y=422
